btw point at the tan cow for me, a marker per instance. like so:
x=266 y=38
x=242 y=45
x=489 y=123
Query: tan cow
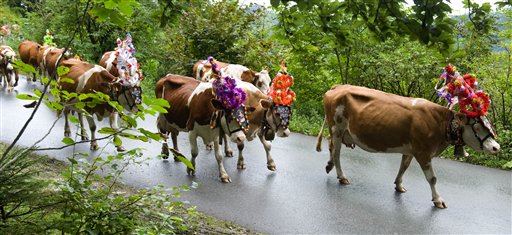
x=194 y=109
x=28 y=54
x=8 y=74
x=381 y=122
x=202 y=71
x=90 y=78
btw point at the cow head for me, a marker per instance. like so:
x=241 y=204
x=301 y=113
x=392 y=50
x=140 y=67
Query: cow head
x=232 y=122
x=277 y=119
x=128 y=96
x=478 y=133
x=263 y=81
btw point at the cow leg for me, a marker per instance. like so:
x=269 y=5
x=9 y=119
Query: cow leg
x=83 y=132
x=224 y=177
x=113 y=125
x=330 y=163
x=227 y=148
x=174 y=137
x=426 y=166
x=240 y=163
x=406 y=161
x=194 y=150
x=67 y=131
x=92 y=128
x=267 y=146
x=335 y=155
x=164 y=133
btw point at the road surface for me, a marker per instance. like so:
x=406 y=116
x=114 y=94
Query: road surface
x=300 y=197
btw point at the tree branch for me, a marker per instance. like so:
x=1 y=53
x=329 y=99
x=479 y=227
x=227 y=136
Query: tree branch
x=53 y=76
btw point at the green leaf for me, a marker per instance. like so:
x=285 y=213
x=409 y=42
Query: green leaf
x=117 y=141
x=68 y=80
x=159 y=109
x=183 y=159
x=24 y=67
x=83 y=97
x=68 y=141
x=275 y=3
x=107 y=131
x=62 y=70
x=72 y=160
x=26 y=97
x=161 y=102
x=73 y=119
x=150 y=134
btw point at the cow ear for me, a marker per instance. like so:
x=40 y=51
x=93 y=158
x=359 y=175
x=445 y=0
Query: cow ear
x=250 y=109
x=217 y=104
x=266 y=103
x=461 y=118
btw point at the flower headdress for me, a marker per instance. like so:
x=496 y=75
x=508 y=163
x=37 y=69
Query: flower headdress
x=280 y=91
x=224 y=89
x=461 y=89
x=127 y=65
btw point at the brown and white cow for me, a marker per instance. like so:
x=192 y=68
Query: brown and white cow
x=8 y=73
x=28 y=54
x=194 y=109
x=202 y=71
x=381 y=122
x=90 y=78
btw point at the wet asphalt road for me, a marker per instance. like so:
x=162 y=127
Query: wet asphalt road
x=300 y=197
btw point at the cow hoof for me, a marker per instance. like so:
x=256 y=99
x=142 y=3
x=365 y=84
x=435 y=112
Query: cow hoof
x=400 y=189
x=209 y=147
x=67 y=133
x=225 y=179
x=190 y=172
x=229 y=153
x=164 y=156
x=440 y=205
x=271 y=167
x=94 y=147
x=344 y=181
x=240 y=165
x=329 y=167
x=85 y=138
x=120 y=148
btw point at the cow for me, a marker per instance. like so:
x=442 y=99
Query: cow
x=202 y=71
x=381 y=122
x=28 y=54
x=8 y=73
x=90 y=78
x=194 y=109
x=267 y=120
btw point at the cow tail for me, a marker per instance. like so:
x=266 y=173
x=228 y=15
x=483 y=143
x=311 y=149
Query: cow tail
x=320 y=135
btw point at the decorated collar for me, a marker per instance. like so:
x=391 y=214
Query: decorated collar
x=454 y=132
x=225 y=89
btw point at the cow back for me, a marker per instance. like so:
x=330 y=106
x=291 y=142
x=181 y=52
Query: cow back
x=177 y=90
x=109 y=61
x=86 y=77
x=381 y=121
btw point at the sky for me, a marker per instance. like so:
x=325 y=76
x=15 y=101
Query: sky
x=457 y=5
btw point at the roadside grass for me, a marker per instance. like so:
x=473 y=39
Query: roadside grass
x=53 y=172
